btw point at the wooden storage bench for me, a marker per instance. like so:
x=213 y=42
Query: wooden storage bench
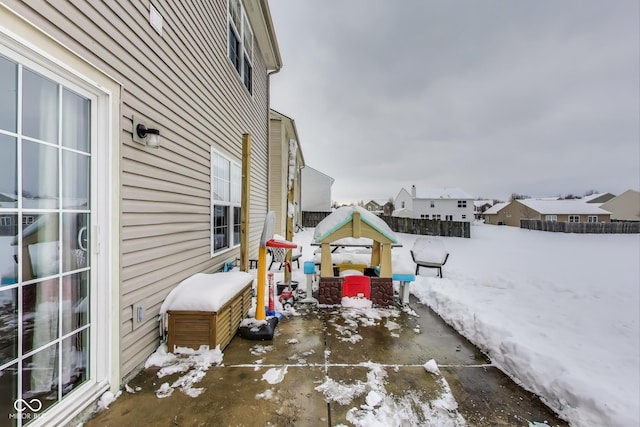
x=206 y=309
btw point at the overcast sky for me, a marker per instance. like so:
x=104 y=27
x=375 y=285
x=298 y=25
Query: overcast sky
x=536 y=97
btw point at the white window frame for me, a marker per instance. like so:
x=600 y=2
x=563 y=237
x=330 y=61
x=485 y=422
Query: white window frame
x=574 y=218
x=592 y=218
x=244 y=35
x=232 y=194
x=101 y=367
x=462 y=204
x=552 y=218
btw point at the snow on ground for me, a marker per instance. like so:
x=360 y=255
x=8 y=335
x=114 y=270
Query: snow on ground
x=557 y=312
x=383 y=409
x=193 y=363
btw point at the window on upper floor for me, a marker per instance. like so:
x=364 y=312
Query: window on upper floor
x=432 y=204
x=402 y=205
x=462 y=203
x=226 y=184
x=240 y=42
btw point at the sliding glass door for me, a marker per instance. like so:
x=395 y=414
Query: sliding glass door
x=45 y=240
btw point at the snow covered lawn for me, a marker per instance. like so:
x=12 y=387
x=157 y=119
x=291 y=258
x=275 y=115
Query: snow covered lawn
x=559 y=313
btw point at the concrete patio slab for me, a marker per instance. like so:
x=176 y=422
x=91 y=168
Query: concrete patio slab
x=384 y=351
x=399 y=337
x=487 y=397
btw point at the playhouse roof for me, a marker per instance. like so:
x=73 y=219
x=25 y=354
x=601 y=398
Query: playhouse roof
x=342 y=216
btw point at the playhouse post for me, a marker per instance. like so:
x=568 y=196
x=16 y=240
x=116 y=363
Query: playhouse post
x=375 y=254
x=326 y=267
x=262 y=271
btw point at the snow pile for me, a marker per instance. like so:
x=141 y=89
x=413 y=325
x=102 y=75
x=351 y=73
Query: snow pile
x=355 y=302
x=556 y=312
x=274 y=375
x=431 y=366
x=429 y=250
x=193 y=363
x=205 y=292
x=131 y=390
x=383 y=409
x=107 y=399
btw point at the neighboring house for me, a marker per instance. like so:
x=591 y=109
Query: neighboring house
x=285 y=164
x=498 y=214
x=480 y=206
x=445 y=204
x=374 y=207
x=598 y=198
x=625 y=207
x=574 y=210
x=316 y=190
x=121 y=222
x=387 y=208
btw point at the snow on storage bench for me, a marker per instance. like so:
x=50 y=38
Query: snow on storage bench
x=206 y=309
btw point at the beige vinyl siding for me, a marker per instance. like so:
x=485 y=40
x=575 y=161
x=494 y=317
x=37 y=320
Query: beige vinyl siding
x=277 y=176
x=184 y=82
x=625 y=207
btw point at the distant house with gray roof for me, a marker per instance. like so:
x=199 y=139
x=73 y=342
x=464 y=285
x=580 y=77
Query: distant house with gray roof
x=574 y=210
x=373 y=206
x=598 y=198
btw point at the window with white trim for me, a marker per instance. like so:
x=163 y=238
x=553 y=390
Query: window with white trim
x=448 y=217
x=240 y=42
x=574 y=218
x=462 y=203
x=551 y=218
x=226 y=185
x=592 y=218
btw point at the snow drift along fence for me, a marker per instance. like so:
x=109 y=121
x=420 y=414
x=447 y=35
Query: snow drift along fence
x=581 y=227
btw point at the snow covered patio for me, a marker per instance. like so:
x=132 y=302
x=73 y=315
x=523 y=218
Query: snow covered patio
x=545 y=307
x=337 y=366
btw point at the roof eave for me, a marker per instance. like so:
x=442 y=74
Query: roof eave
x=260 y=18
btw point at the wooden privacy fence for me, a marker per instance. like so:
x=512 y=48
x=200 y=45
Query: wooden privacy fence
x=425 y=227
x=428 y=227
x=311 y=219
x=581 y=227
